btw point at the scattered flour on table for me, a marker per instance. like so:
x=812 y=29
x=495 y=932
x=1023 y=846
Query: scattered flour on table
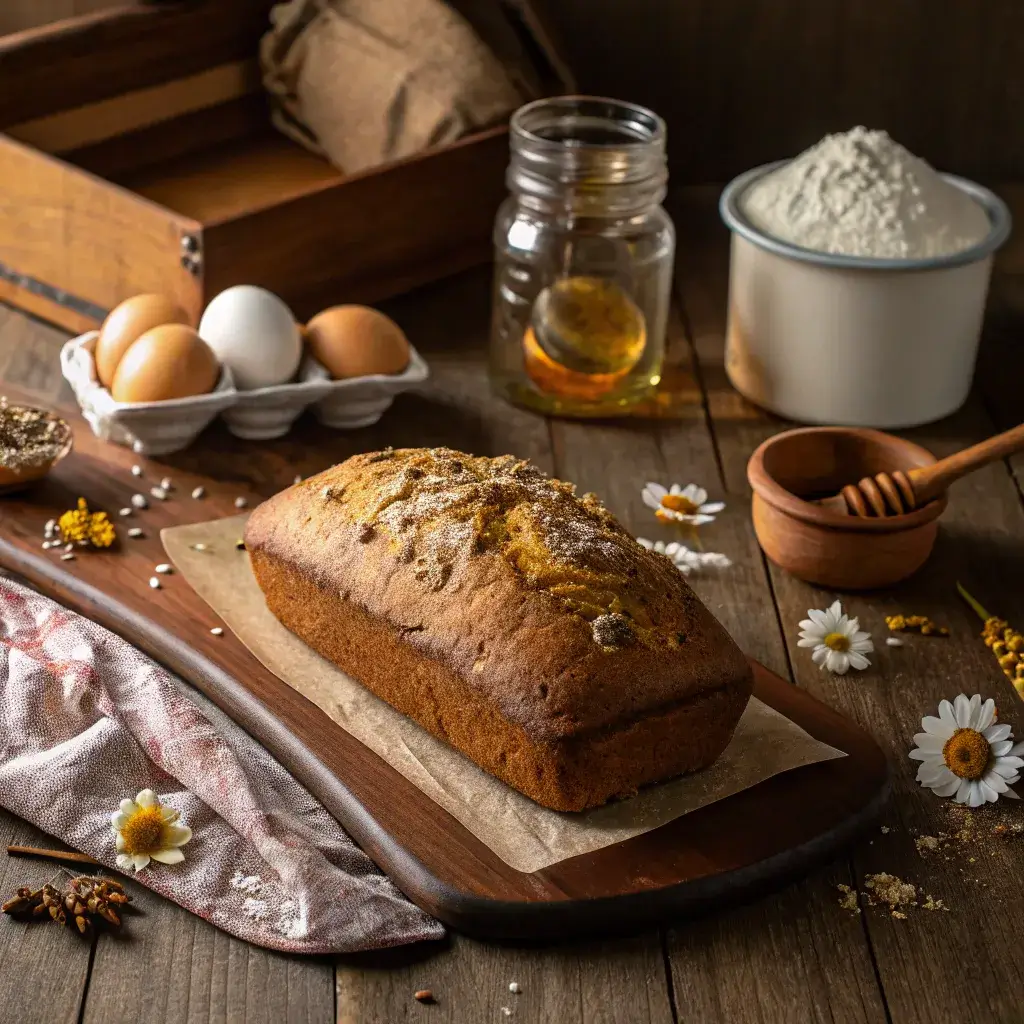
x=859 y=193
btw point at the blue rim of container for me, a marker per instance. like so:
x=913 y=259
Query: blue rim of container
x=998 y=215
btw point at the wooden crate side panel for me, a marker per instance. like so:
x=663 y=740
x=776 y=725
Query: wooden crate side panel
x=50 y=69
x=66 y=230
x=371 y=236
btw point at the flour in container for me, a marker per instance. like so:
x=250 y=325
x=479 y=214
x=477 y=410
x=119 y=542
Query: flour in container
x=859 y=193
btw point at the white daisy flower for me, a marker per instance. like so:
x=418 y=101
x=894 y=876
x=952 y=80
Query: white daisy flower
x=966 y=755
x=838 y=641
x=146 y=830
x=687 y=504
x=685 y=559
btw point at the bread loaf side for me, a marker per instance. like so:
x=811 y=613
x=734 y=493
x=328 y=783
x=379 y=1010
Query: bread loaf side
x=509 y=617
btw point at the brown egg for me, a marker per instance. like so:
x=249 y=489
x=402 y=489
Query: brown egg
x=355 y=341
x=127 y=323
x=170 y=361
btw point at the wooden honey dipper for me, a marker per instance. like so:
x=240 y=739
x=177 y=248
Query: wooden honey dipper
x=889 y=494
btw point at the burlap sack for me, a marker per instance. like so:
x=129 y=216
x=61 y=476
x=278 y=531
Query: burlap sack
x=366 y=81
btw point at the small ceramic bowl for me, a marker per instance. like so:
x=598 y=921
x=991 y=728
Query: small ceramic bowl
x=16 y=478
x=821 y=546
x=361 y=401
x=149 y=428
x=265 y=413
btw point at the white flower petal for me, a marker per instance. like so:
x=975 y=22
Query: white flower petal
x=936 y=727
x=994 y=733
x=963 y=791
x=119 y=843
x=820 y=654
x=171 y=856
x=838 y=662
x=177 y=835
x=988 y=794
x=169 y=814
x=712 y=507
x=946 y=714
x=947 y=788
x=118 y=820
x=124 y=861
x=819 y=618
x=1012 y=761
x=858 y=661
x=809 y=641
x=127 y=806
x=1005 y=771
x=656 y=491
x=976 y=796
x=995 y=781
x=675 y=489
x=1018 y=748
x=933 y=774
x=987 y=715
x=147 y=798
x=962 y=710
x=927 y=741
x=139 y=860
x=1002 y=748
x=695 y=494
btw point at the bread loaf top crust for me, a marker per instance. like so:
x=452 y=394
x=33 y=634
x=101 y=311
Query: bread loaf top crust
x=537 y=597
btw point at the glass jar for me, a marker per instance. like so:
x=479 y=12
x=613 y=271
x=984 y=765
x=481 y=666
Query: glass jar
x=583 y=258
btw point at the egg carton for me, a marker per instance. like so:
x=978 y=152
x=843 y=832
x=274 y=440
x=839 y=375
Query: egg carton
x=158 y=428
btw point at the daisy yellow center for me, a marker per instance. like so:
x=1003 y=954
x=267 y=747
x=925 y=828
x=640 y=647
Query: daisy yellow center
x=837 y=641
x=679 y=503
x=143 y=831
x=966 y=754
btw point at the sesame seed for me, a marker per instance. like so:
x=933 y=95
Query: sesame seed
x=894 y=641
x=514 y=988
x=166 y=483
x=125 y=512
x=424 y=995
x=297 y=479
x=198 y=547
x=159 y=493
x=45 y=545
x=136 y=471
x=164 y=569
x=199 y=492
x=217 y=631
x=51 y=525
x=68 y=556
x=135 y=531
x=154 y=582
x=139 y=501
x=507 y=1011
x=69 y=547
x=241 y=502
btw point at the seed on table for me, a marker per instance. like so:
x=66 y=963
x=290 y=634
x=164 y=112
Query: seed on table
x=135 y=531
x=69 y=547
x=240 y=502
x=139 y=501
x=217 y=631
x=894 y=641
x=514 y=988
x=68 y=556
x=424 y=995
x=154 y=582
x=298 y=478
x=199 y=492
x=136 y=471
x=159 y=493
x=51 y=525
x=163 y=568
x=198 y=547
x=125 y=512
x=166 y=483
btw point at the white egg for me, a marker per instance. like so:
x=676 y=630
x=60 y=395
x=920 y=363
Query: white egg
x=253 y=331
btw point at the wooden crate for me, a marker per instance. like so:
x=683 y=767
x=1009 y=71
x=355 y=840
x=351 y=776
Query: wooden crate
x=138 y=155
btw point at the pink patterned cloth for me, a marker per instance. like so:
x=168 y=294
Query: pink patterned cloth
x=86 y=720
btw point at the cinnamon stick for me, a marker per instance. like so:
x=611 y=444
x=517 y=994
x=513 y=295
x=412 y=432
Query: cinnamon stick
x=71 y=856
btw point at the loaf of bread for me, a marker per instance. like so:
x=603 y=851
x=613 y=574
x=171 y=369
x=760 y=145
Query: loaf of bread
x=509 y=617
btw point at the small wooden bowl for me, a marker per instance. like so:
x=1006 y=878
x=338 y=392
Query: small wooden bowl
x=789 y=471
x=15 y=479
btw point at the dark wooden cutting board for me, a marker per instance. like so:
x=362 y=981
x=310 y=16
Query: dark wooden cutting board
x=720 y=854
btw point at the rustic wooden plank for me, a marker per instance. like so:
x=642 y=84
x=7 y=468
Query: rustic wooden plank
x=741 y=82
x=174 y=967
x=979 y=543
x=599 y=983
x=615 y=460
x=43 y=968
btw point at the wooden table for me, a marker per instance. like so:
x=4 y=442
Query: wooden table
x=795 y=956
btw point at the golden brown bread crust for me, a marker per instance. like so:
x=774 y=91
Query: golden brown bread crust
x=509 y=617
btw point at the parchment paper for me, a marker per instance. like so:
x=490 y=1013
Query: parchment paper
x=522 y=833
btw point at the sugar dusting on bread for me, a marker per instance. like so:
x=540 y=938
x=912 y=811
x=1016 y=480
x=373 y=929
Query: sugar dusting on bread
x=441 y=507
